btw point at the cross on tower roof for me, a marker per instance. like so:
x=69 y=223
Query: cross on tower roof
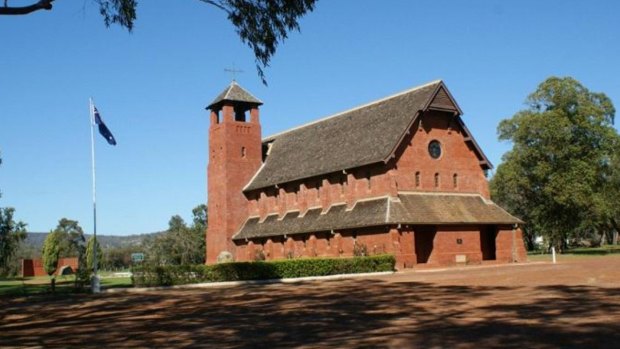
x=233 y=72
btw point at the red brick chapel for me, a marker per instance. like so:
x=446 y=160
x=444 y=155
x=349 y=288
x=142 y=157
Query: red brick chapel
x=401 y=175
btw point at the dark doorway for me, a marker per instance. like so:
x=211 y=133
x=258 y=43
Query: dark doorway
x=487 y=242
x=424 y=243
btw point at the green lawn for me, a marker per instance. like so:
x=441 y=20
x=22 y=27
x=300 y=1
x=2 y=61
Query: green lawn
x=605 y=249
x=577 y=252
x=41 y=285
x=572 y=254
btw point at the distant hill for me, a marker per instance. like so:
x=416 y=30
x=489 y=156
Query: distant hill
x=107 y=241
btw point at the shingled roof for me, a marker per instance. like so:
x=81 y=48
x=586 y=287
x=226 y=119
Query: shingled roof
x=407 y=208
x=234 y=93
x=440 y=208
x=361 y=136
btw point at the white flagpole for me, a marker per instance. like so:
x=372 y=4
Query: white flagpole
x=95 y=281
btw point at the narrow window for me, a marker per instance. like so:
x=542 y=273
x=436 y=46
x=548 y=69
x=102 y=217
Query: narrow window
x=455 y=180
x=417 y=179
x=436 y=180
x=239 y=114
x=242 y=152
x=343 y=182
x=368 y=179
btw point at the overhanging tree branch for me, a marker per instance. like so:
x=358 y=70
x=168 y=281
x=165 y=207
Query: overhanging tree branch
x=217 y=4
x=24 y=10
x=261 y=24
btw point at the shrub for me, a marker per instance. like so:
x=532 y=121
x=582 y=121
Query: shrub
x=360 y=250
x=259 y=255
x=145 y=275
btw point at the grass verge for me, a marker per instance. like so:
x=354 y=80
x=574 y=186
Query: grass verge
x=41 y=285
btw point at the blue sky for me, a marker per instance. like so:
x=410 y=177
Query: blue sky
x=151 y=87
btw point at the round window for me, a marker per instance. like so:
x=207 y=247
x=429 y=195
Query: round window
x=434 y=149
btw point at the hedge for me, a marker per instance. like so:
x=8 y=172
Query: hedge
x=146 y=276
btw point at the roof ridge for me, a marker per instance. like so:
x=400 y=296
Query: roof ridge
x=372 y=198
x=398 y=94
x=245 y=187
x=228 y=89
x=438 y=193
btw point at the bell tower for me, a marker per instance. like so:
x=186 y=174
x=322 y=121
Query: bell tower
x=235 y=154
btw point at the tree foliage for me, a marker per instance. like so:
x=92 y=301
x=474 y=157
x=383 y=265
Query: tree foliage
x=200 y=217
x=73 y=244
x=73 y=240
x=180 y=244
x=90 y=253
x=51 y=252
x=555 y=176
x=261 y=24
x=11 y=235
x=118 y=258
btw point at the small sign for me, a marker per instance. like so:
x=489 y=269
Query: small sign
x=137 y=257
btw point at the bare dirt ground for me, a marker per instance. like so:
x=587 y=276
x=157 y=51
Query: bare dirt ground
x=573 y=304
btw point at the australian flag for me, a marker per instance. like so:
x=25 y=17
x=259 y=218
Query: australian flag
x=103 y=129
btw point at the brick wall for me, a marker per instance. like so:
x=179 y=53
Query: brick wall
x=449 y=245
x=458 y=157
x=376 y=240
x=235 y=154
x=510 y=241
x=34 y=267
x=453 y=241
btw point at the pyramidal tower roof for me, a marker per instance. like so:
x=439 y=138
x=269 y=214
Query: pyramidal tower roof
x=234 y=93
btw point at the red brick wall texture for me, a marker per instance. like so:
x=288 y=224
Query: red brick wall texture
x=458 y=171
x=34 y=267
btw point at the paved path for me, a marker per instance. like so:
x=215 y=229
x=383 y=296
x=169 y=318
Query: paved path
x=574 y=304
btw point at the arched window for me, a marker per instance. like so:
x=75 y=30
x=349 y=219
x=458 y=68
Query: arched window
x=242 y=152
x=368 y=178
x=417 y=179
x=455 y=180
x=436 y=180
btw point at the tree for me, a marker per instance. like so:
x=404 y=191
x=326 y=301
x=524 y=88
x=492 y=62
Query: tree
x=612 y=193
x=180 y=244
x=199 y=231
x=556 y=173
x=200 y=216
x=11 y=235
x=72 y=238
x=90 y=248
x=51 y=254
x=24 y=250
x=119 y=257
x=261 y=24
x=72 y=244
